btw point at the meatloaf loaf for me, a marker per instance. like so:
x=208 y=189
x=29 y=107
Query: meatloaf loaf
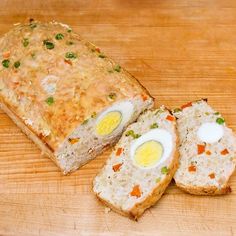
x=64 y=92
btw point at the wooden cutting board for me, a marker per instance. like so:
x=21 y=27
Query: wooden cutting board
x=180 y=51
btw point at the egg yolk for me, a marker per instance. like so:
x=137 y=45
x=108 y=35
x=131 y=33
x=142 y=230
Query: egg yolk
x=148 y=154
x=108 y=123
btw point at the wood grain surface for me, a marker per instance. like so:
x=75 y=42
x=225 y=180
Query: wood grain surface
x=180 y=50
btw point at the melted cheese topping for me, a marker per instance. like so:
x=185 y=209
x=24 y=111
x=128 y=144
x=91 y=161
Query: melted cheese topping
x=108 y=123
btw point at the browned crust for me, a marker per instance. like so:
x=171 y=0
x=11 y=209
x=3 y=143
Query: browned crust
x=135 y=212
x=25 y=129
x=203 y=190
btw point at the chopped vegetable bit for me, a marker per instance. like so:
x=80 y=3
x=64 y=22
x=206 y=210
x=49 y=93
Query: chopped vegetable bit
x=158 y=111
x=164 y=170
x=49 y=45
x=224 y=152
x=177 y=110
x=131 y=133
x=119 y=151
x=158 y=180
x=189 y=104
x=212 y=175
x=117 y=167
x=17 y=64
x=98 y=50
x=112 y=96
x=33 y=55
x=68 y=61
x=136 y=191
x=154 y=126
x=6 y=63
x=217 y=113
x=94 y=114
x=117 y=68
x=101 y=55
x=6 y=55
x=200 y=149
x=220 y=120
x=144 y=97
x=25 y=42
x=71 y=55
x=33 y=25
x=207 y=113
x=69 y=30
x=69 y=43
x=192 y=168
x=208 y=152
x=170 y=118
x=59 y=36
x=85 y=122
x=50 y=101
x=73 y=140
x=136 y=136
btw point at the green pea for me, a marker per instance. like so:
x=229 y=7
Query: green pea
x=71 y=55
x=59 y=36
x=220 y=120
x=17 y=64
x=50 y=101
x=6 y=63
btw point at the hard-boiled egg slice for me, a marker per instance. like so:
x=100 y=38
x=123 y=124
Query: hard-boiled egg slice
x=210 y=132
x=151 y=149
x=114 y=118
x=109 y=123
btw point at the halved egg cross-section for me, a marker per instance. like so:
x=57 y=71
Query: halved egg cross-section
x=148 y=153
x=151 y=149
x=114 y=118
x=109 y=123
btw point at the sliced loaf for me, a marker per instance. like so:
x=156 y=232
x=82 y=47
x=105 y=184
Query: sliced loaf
x=207 y=150
x=65 y=93
x=141 y=165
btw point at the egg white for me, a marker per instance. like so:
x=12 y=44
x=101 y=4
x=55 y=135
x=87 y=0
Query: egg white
x=125 y=108
x=210 y=132
x=49 y=84
x=160 y=135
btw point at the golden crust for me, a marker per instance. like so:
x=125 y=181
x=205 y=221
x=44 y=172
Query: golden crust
x=79 y=86
x=204 y=190
x=156 y=194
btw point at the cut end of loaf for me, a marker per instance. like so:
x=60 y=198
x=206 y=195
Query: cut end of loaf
x=85 y=143
x=124 y=184
x=207 y=150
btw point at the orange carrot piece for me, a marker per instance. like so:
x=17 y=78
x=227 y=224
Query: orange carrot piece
x=224 y=152
x=189 y=104
x=117 y=167
x=200 y=148
x=6 y=54
x=136 y=192
x=73 y=140
x=119 y=151
x=208 y=152
x=170 y=118
x=68 y=62
x=212 y=175
x=192 y=168
x=144 y=97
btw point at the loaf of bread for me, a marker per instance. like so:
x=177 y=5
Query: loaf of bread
x=141 y=165
x=64 y=93
x=207 y=150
